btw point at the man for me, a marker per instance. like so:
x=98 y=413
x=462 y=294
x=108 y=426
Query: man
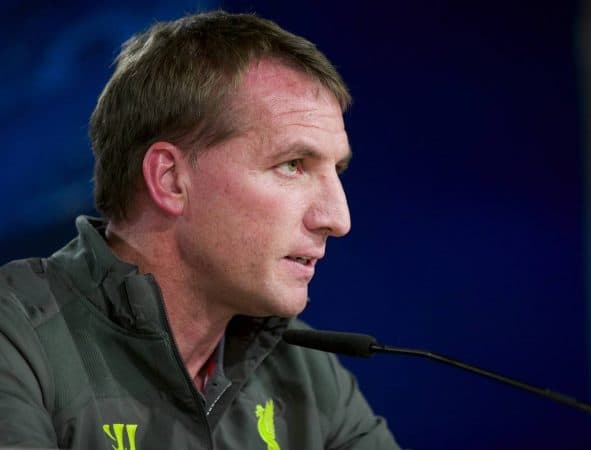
x=218 y=141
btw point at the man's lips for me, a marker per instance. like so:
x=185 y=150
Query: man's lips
x=303 y=260
x=301 y=267
x=308 y=259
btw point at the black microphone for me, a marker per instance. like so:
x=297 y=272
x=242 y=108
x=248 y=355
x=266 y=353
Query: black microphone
x=353 y=344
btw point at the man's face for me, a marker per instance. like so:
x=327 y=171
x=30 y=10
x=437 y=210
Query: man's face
x=262 y=204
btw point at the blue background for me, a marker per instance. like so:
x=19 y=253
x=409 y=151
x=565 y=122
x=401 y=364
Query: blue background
x=466 y=191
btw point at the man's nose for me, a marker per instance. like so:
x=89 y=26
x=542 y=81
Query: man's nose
x=329 y=211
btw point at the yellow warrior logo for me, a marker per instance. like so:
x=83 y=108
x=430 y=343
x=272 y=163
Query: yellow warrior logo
x=116 y=434
x=266 y=425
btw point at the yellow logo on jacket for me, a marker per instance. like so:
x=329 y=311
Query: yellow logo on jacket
x=266 y=424
x=116 y=434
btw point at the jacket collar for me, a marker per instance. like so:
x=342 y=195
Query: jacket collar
x=115 y=287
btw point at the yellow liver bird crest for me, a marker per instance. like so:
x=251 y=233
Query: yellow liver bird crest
x=266 y=424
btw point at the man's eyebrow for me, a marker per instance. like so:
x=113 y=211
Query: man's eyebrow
x=343 y=164
x=295 y=152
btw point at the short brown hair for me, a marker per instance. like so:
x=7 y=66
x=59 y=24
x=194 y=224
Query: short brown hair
x=173 y=82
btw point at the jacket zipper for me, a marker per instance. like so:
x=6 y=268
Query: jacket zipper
x=172 y=342
x=210 y=409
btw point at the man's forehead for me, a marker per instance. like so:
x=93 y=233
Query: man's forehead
x=269 y=77
x=271 y=90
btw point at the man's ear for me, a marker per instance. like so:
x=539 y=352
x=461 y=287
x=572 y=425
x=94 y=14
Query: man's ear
x=163 y=168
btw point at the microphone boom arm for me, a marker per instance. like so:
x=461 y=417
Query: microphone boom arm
x=552 y=395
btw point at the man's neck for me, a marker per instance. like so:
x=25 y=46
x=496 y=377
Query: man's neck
x=197 y=326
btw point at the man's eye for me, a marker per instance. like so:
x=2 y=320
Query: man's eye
x=292 y=167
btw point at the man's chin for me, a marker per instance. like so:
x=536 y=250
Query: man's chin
x=294 y=308
x=287 y=309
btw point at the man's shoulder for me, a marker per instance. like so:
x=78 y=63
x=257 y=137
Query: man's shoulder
x=21 y=277
x=26 y=289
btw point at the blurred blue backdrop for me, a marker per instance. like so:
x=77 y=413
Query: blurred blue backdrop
x=466 y=192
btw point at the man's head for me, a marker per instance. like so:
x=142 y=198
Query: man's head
x=177 y=82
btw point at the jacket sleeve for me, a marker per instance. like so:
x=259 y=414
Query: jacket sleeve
x=24 y=383
x=354 y=425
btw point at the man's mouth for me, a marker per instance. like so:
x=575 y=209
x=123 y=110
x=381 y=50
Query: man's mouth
x=303 y=260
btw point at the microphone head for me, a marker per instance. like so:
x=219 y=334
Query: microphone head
x=351 y=344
